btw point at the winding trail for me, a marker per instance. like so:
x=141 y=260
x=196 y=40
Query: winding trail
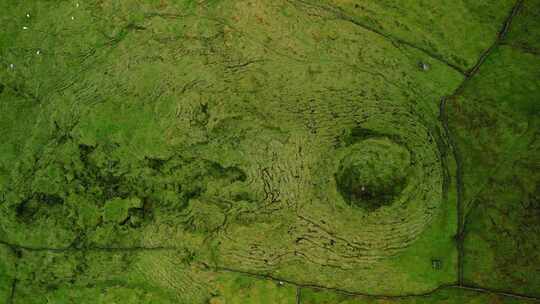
x=17 y=247
x=359 y=294
x=11 y=295
x=450 y=138
x=343 y=16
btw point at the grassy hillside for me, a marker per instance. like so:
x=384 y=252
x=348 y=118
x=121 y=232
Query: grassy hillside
x=284 y=151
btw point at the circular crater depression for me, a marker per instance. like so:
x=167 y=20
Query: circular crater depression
x=373 y=173
x=388 y=170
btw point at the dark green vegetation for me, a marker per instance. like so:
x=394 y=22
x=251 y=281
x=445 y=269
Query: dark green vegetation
x=374 y=172
x=496 y=122
x=269 y=151
x=444 y=296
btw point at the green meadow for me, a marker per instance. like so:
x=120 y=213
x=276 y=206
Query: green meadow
x=269 y=152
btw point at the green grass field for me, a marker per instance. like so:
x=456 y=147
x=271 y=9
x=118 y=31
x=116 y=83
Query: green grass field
x=289 y=151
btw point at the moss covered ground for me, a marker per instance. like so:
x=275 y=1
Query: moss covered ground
x=289 y=151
